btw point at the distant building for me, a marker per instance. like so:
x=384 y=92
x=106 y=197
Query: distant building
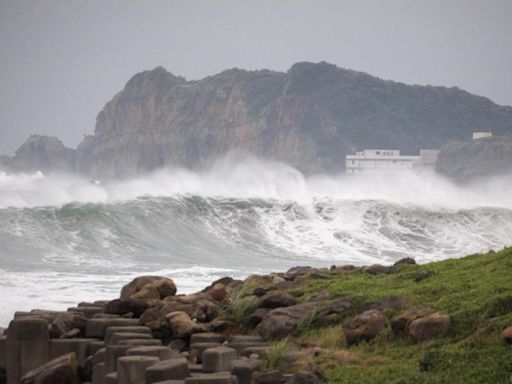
x=481 y=135
x=388 y=160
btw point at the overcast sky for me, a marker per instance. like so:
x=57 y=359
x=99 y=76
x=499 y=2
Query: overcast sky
x=60 y=61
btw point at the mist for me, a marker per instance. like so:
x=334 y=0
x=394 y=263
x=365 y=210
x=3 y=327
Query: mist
x=248 y=177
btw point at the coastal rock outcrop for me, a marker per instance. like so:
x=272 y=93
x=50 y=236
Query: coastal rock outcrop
x=310 y=117
x=42 y=153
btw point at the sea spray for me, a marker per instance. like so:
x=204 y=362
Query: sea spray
x=64 y=236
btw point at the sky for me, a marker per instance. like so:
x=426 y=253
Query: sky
x=62 y=60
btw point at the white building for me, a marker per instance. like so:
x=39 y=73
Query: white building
x=481 y=135
x=388 y=160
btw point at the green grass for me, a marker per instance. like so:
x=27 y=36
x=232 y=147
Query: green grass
x=476 y=291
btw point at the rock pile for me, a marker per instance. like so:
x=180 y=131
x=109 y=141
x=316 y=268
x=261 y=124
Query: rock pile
x=216 y=336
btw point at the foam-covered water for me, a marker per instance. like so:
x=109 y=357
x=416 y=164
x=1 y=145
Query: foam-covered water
x=64 y=239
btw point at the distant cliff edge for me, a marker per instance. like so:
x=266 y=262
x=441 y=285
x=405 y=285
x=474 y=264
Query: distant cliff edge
x=309 y=117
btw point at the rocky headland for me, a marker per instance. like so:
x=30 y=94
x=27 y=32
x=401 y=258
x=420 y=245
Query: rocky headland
x=309 y=117
x=448 y=321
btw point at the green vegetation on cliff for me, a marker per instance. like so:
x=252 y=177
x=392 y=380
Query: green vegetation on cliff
x=478 y=158
x=475 y=292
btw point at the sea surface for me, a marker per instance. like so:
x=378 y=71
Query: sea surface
x=65 y=239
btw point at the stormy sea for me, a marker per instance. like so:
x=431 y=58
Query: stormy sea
x=65 y=239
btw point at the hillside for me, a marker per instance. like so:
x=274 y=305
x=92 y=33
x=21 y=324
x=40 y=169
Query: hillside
x=310 y=117
x=476 y=159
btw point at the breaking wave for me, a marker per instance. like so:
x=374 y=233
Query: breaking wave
x=65 y=239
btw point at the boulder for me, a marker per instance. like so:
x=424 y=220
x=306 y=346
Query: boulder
x=404 y=261
x=255 y=318
x=152 y=318
x=258 y=352
x=219 y=292
x=507 y=335
x=163 y=285
x=303 y=377
x=294 y=272
x=377 y=269
x=148 y=292
x=430 y=327
x=66 y=322
x=272 y=377
x=62 y=370
x=122 y=307
x=421 y=275
x=277 y=301
x=226 y=281
x=181 y=324
x=364 y=326
x=339 y=306
x=282 y=322
x=244 y=368
x=400 y=323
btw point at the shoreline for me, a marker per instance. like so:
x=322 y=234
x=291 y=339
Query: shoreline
x=285 y=324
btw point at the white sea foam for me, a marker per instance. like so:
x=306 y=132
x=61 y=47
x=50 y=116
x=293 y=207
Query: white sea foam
x=64 y=239
x=253 y=178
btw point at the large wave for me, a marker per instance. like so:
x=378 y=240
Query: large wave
x=72 y=237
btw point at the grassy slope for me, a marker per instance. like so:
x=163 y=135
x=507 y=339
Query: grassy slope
x=475 y=291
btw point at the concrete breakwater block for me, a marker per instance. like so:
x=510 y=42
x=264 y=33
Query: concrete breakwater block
x=207 y=337
x=132 y=369
x=197 y=349
x=175 y=369
x=80 y=346
x=97 y=327
x=110 y=378
x=98 y=373
x=3 y=351
x=118 y=336
x=113 y=352
x=88 y=312
x=132 y=329
x=163 y=353
x=26 y=346
x=95 y=346
x=218 y=359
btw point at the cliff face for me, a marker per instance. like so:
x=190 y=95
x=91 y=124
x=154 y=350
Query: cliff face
x=309 y=117
x=476 y=159
x=43 y=153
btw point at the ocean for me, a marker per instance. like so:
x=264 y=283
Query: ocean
x=66 y=239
